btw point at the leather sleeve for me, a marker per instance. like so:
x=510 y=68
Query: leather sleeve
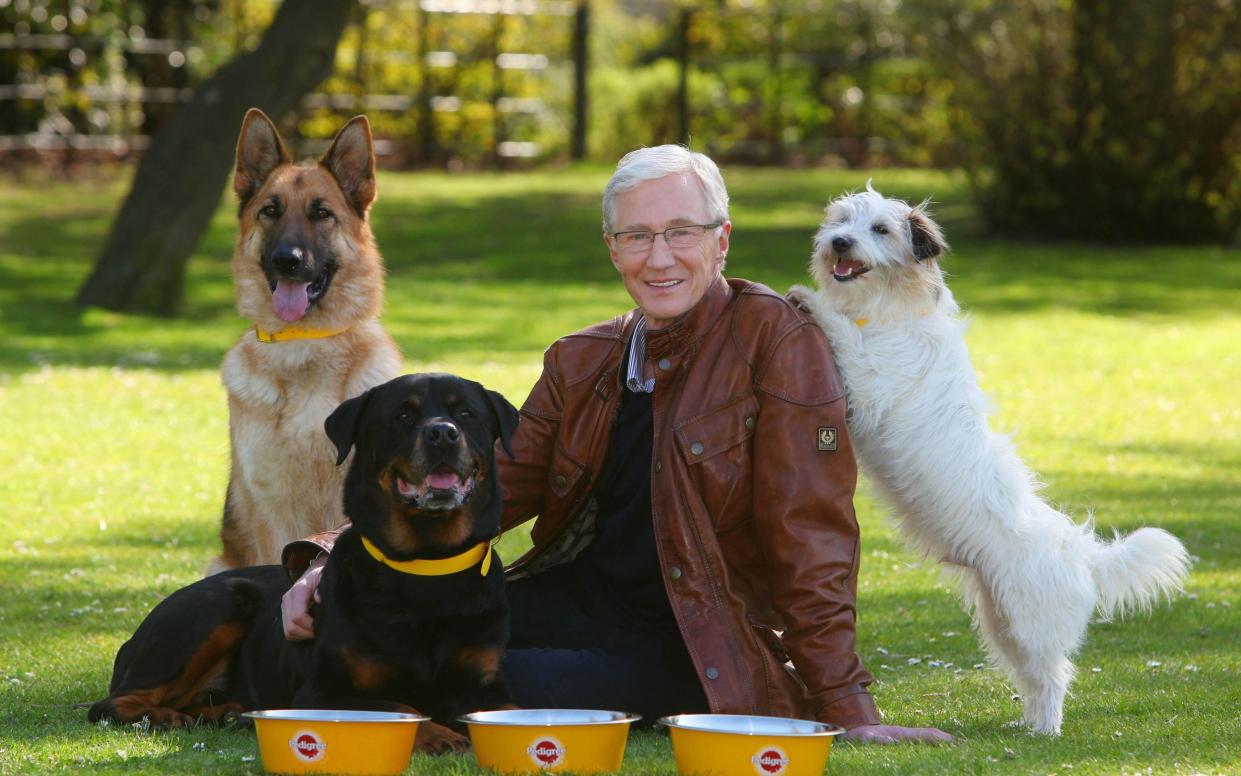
x=297 y=555
x=523 y=477
x=803 y=494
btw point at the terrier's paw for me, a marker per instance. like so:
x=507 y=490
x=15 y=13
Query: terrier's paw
x=803 y=298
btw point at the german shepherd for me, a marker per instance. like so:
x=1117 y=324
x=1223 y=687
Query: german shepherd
x=412 y=613
x=307 y=273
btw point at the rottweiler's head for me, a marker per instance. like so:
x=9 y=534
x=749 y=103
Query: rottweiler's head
x=422 y=483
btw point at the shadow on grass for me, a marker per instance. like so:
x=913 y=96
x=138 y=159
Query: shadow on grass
x=551 y=241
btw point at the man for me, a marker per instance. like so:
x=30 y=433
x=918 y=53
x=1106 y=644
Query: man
x=693 y=481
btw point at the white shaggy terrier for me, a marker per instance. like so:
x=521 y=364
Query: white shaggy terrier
x=919 y=425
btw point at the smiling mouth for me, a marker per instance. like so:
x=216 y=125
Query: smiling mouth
x=663 y=283
x=443 y=488
x=292 y=298
x=849 y=269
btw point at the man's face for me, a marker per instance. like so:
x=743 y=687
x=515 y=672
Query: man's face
x=667 y=282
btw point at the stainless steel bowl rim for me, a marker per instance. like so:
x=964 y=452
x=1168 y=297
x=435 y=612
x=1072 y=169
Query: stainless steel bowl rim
x=334 y=715
x=722 y=722
x=547 y=717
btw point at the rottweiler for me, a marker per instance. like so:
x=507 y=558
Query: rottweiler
x=412 y=614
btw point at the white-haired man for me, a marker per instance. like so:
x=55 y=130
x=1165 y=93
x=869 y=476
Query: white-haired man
x=696 y=547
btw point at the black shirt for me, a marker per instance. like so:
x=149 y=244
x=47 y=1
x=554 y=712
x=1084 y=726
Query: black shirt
x=620 y=570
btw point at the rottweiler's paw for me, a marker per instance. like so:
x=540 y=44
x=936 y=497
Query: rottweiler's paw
x=160 y=717
x=436 y=739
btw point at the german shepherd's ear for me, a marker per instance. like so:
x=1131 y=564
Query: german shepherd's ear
x=506 y=418
x=351 y=160
x=342 y=425
x=928 y=240
x=259 y=151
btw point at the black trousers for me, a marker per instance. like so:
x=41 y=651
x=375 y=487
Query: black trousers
x=564 y=654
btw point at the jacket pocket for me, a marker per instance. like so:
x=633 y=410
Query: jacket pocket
x=716 y=447
x=563 y=473
x=772 y=640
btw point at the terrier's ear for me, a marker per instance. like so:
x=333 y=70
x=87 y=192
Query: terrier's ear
x=342 y=425
x=928 y=240
x=351 y=160
x=259 y=151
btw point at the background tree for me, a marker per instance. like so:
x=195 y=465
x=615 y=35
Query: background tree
x=1099 y=119
x=178 y=183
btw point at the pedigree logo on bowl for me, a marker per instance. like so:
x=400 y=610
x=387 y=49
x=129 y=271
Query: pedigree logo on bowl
x=770 y=761
x=546 y=752
x=308 y=746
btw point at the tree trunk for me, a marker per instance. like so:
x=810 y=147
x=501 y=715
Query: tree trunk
x=177 y=187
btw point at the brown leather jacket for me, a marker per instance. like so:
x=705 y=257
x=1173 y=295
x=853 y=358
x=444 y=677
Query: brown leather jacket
x=752 y=484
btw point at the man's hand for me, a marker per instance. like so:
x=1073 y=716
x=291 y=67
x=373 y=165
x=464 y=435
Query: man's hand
x=891 y=734
x=295 y=604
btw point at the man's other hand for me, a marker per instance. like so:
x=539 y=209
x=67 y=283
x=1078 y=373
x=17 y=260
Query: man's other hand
x=295 y=604
x=891 y=734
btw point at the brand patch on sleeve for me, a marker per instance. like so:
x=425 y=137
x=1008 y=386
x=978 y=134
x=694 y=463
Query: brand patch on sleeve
x=827 y=438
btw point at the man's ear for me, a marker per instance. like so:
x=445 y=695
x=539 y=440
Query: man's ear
x=351 y=160
x=506 y=419
x=342 y=425
x=259 y=151
x=610 y=241
x=928 y=240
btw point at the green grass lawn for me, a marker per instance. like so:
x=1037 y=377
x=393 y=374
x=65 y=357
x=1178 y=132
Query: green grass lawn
x=1116 y=369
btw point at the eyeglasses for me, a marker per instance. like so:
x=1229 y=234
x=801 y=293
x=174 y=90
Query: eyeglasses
x=641 y=241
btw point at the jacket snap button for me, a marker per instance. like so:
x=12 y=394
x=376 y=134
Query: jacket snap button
x=749 y=422
x=560 y=480
x=696 y=448
x=665 y=364
x=674 y=572
x=713 y=673
x=659 y=466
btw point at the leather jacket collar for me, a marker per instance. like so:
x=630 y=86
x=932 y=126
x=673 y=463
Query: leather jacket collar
x=690 y=327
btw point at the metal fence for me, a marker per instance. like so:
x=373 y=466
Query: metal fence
x=491 y=81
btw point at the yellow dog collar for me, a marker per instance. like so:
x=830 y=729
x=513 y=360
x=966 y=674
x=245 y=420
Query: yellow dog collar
x=295 y=333
x=862 y=322
x=426 y=567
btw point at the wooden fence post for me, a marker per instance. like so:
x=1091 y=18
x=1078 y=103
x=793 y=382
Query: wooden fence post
x=687 y=18
x=581 y=61
x=425 y=124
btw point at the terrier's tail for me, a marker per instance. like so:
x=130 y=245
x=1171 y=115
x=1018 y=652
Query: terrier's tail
x=1132 y=572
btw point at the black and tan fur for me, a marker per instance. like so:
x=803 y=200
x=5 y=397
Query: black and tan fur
x=384 y=639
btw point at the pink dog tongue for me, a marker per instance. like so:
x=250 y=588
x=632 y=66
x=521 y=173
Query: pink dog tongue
x=291 y=300
x=443 y=478
x=846 y=267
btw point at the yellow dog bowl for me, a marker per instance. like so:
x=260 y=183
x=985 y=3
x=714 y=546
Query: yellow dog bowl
x=739 y=745
x=325 y=741
x=536 y=740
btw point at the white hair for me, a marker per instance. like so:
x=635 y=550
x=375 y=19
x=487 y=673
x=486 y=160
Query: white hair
x=646 y=164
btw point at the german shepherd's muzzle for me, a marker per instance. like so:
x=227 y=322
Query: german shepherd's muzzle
x=299 y=264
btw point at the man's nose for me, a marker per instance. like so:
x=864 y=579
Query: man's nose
x=661 y=252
